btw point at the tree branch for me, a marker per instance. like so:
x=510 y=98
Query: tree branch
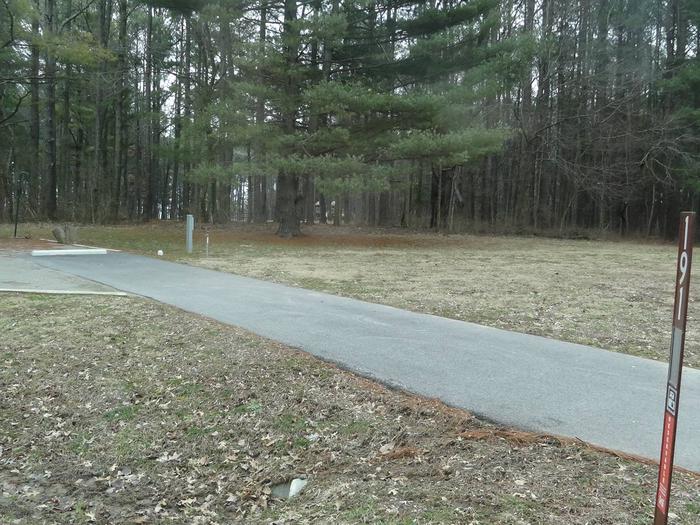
x=17 y=106
x=12 y=25
x=74 y=15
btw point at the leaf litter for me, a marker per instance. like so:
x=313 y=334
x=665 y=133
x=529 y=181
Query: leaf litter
x=122 y=410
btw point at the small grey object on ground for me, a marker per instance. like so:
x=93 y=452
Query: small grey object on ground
x=533 y=383
x=288 y=489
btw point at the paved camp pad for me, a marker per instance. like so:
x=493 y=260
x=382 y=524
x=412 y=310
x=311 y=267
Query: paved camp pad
x=530 y=382
x=20 y=273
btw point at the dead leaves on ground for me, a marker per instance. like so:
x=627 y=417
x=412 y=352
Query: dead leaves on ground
x=132 y=412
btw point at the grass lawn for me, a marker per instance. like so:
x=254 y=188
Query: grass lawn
x=614 y=295
x=121 y=410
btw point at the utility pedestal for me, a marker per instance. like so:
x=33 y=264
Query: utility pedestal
x=189 y=229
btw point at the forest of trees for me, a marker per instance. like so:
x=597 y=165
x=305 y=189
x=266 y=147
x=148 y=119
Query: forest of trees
x=520 y=115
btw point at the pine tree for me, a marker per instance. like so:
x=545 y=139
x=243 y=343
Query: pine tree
x=352 y=90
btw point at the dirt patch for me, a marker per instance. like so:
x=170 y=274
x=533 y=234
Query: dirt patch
x=325 y=236
x=11 y=246
x=125 y=411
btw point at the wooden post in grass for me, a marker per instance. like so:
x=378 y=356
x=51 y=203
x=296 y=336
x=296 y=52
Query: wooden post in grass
x=673 y=386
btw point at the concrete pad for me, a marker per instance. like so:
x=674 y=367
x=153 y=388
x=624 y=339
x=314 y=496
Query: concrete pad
x=60 y=292
x=69 y=251
x=94 y=247
x=22 y=275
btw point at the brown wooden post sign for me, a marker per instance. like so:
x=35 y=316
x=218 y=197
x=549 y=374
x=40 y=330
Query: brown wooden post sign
x=673 y=387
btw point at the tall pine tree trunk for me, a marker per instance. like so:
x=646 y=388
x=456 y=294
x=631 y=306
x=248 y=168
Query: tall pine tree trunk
x=34 y=176
x=174 y=201
x=120 y=113
x=51 y=175
x=187 y=110
x=288 y=182
x=66 y=190
x=150 y=204
x=98 y=187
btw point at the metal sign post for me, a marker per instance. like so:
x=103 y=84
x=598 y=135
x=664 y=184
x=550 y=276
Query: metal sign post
x=673 y=387
x=189 y=229
x=17 y=203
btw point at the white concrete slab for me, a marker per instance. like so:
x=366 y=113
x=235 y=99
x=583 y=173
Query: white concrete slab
x=69 y=251
x=23 y=274
x=60 y=292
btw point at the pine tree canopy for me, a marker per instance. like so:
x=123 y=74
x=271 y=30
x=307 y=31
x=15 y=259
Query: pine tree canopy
x=542 y=112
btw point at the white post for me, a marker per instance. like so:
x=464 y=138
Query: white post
x=189 y=228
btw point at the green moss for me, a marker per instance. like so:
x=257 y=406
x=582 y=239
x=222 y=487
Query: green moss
x=122 y=413
x=252 y=407
x=290 y=423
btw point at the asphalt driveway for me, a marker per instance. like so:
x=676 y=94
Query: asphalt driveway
x=520 y=380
